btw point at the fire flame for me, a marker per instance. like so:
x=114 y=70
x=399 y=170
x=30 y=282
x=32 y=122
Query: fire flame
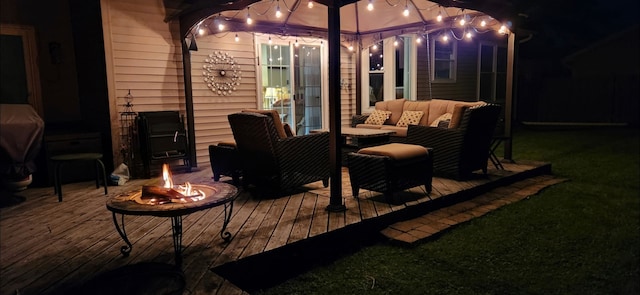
x=189 y=193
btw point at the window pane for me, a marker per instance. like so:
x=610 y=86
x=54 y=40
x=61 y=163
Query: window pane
x=308 y=83
x=442 y=69
x=444 y=60
x=375 y=57
x=400 y=68
x=375 y=88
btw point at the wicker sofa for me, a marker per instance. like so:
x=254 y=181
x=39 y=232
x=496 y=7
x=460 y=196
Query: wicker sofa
x=434 y=112
x=460 y=146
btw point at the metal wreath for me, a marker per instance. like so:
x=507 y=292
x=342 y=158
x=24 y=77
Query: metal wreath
x=221 y=73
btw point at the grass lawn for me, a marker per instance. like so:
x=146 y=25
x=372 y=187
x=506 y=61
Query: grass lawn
x=578 y=237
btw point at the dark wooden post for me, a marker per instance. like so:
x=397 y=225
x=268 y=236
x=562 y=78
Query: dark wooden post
x=335 y=157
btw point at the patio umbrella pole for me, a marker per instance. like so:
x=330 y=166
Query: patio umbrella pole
x=335 y=157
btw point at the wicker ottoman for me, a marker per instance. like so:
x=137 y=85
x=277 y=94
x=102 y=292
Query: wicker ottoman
x=224 y=161
x=390 y=168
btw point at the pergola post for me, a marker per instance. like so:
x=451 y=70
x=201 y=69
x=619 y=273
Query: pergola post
x=335 y=157
x=508 y=116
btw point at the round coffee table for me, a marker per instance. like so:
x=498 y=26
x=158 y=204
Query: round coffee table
x=217 y=194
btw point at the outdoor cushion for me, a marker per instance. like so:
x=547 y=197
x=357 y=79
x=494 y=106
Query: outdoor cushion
x=409 y=118
x=276 y=119
x=396 y=151
x=378 y=117
x=399 y=131
x=444 y=117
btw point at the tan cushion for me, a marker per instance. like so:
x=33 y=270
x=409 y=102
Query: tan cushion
x=410 y=118
x=395 y=106
x=369 y=126
x=421 y=105
x=276 y=119
x=397 y=151
x=230 y=143
x=399 y=131
x=378 y=117
x=444 y=117
x=456 y=116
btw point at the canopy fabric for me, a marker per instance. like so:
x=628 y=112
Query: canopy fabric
x=386 y=19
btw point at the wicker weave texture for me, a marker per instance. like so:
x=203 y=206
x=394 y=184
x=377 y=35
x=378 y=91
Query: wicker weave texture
x=458 y=152
x=278 y=164
x=225 y=161
x=383 y=174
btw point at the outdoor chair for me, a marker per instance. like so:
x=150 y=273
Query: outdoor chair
x=458 y=152
x=274 y=162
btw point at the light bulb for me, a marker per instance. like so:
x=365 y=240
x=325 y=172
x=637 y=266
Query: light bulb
x=201 y=32
x=278 y=13
x=439 y=17
x=220 y=27
x=269 y=40
x=237 y=38
x=249 y=20
x=419 y=40
x=395 y=43
x=350 y=47
x=370 y=5
x=406 y=11
x=310 y=4
x=483 y=23
x=375 y=47
x=296 y=43
x=462 y=22
x=445 y=38
x=469 y=35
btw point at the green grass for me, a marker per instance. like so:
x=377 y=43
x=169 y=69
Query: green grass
x=578 y=237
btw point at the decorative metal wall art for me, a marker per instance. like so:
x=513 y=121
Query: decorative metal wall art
x=221 y=73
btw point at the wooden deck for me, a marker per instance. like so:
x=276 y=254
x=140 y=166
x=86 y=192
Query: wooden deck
x=48 y=247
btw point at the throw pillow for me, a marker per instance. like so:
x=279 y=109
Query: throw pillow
x=410 y=118
x=444 y=117
x=378 y=117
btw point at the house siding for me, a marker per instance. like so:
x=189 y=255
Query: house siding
x=142 y=54
x=211 y=109
x=465 y=86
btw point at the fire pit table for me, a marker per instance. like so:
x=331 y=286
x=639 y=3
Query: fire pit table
x=134 y=203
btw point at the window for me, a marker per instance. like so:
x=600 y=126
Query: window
x=392 y=77
x=443 y=60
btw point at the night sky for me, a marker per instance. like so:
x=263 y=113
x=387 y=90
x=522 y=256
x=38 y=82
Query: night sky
x=563 y=27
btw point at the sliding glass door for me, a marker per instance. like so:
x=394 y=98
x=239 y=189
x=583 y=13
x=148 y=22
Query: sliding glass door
x=292 y=83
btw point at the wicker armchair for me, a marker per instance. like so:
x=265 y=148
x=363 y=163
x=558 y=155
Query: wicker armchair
x=458 y=152
x=274 y=163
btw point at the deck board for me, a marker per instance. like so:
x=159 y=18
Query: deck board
x=49 y=245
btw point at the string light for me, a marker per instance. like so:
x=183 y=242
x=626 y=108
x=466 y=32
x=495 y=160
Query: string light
x=445 y=38
x=249 y=20
x=310 y=4
x=278 y=13
x=370 y=5
x=419 y=40
x=395 y=42
x=468 y=35
x=406 y=9
x=270 y=40
x=439 y=17
x=483 y=23
x=201 y=31
x=350 y=47
x=296 y=44
x=237 y=38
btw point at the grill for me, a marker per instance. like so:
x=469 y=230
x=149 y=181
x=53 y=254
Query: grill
x=163 y=139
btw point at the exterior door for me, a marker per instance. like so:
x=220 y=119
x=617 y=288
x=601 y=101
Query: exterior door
x=292 y=83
